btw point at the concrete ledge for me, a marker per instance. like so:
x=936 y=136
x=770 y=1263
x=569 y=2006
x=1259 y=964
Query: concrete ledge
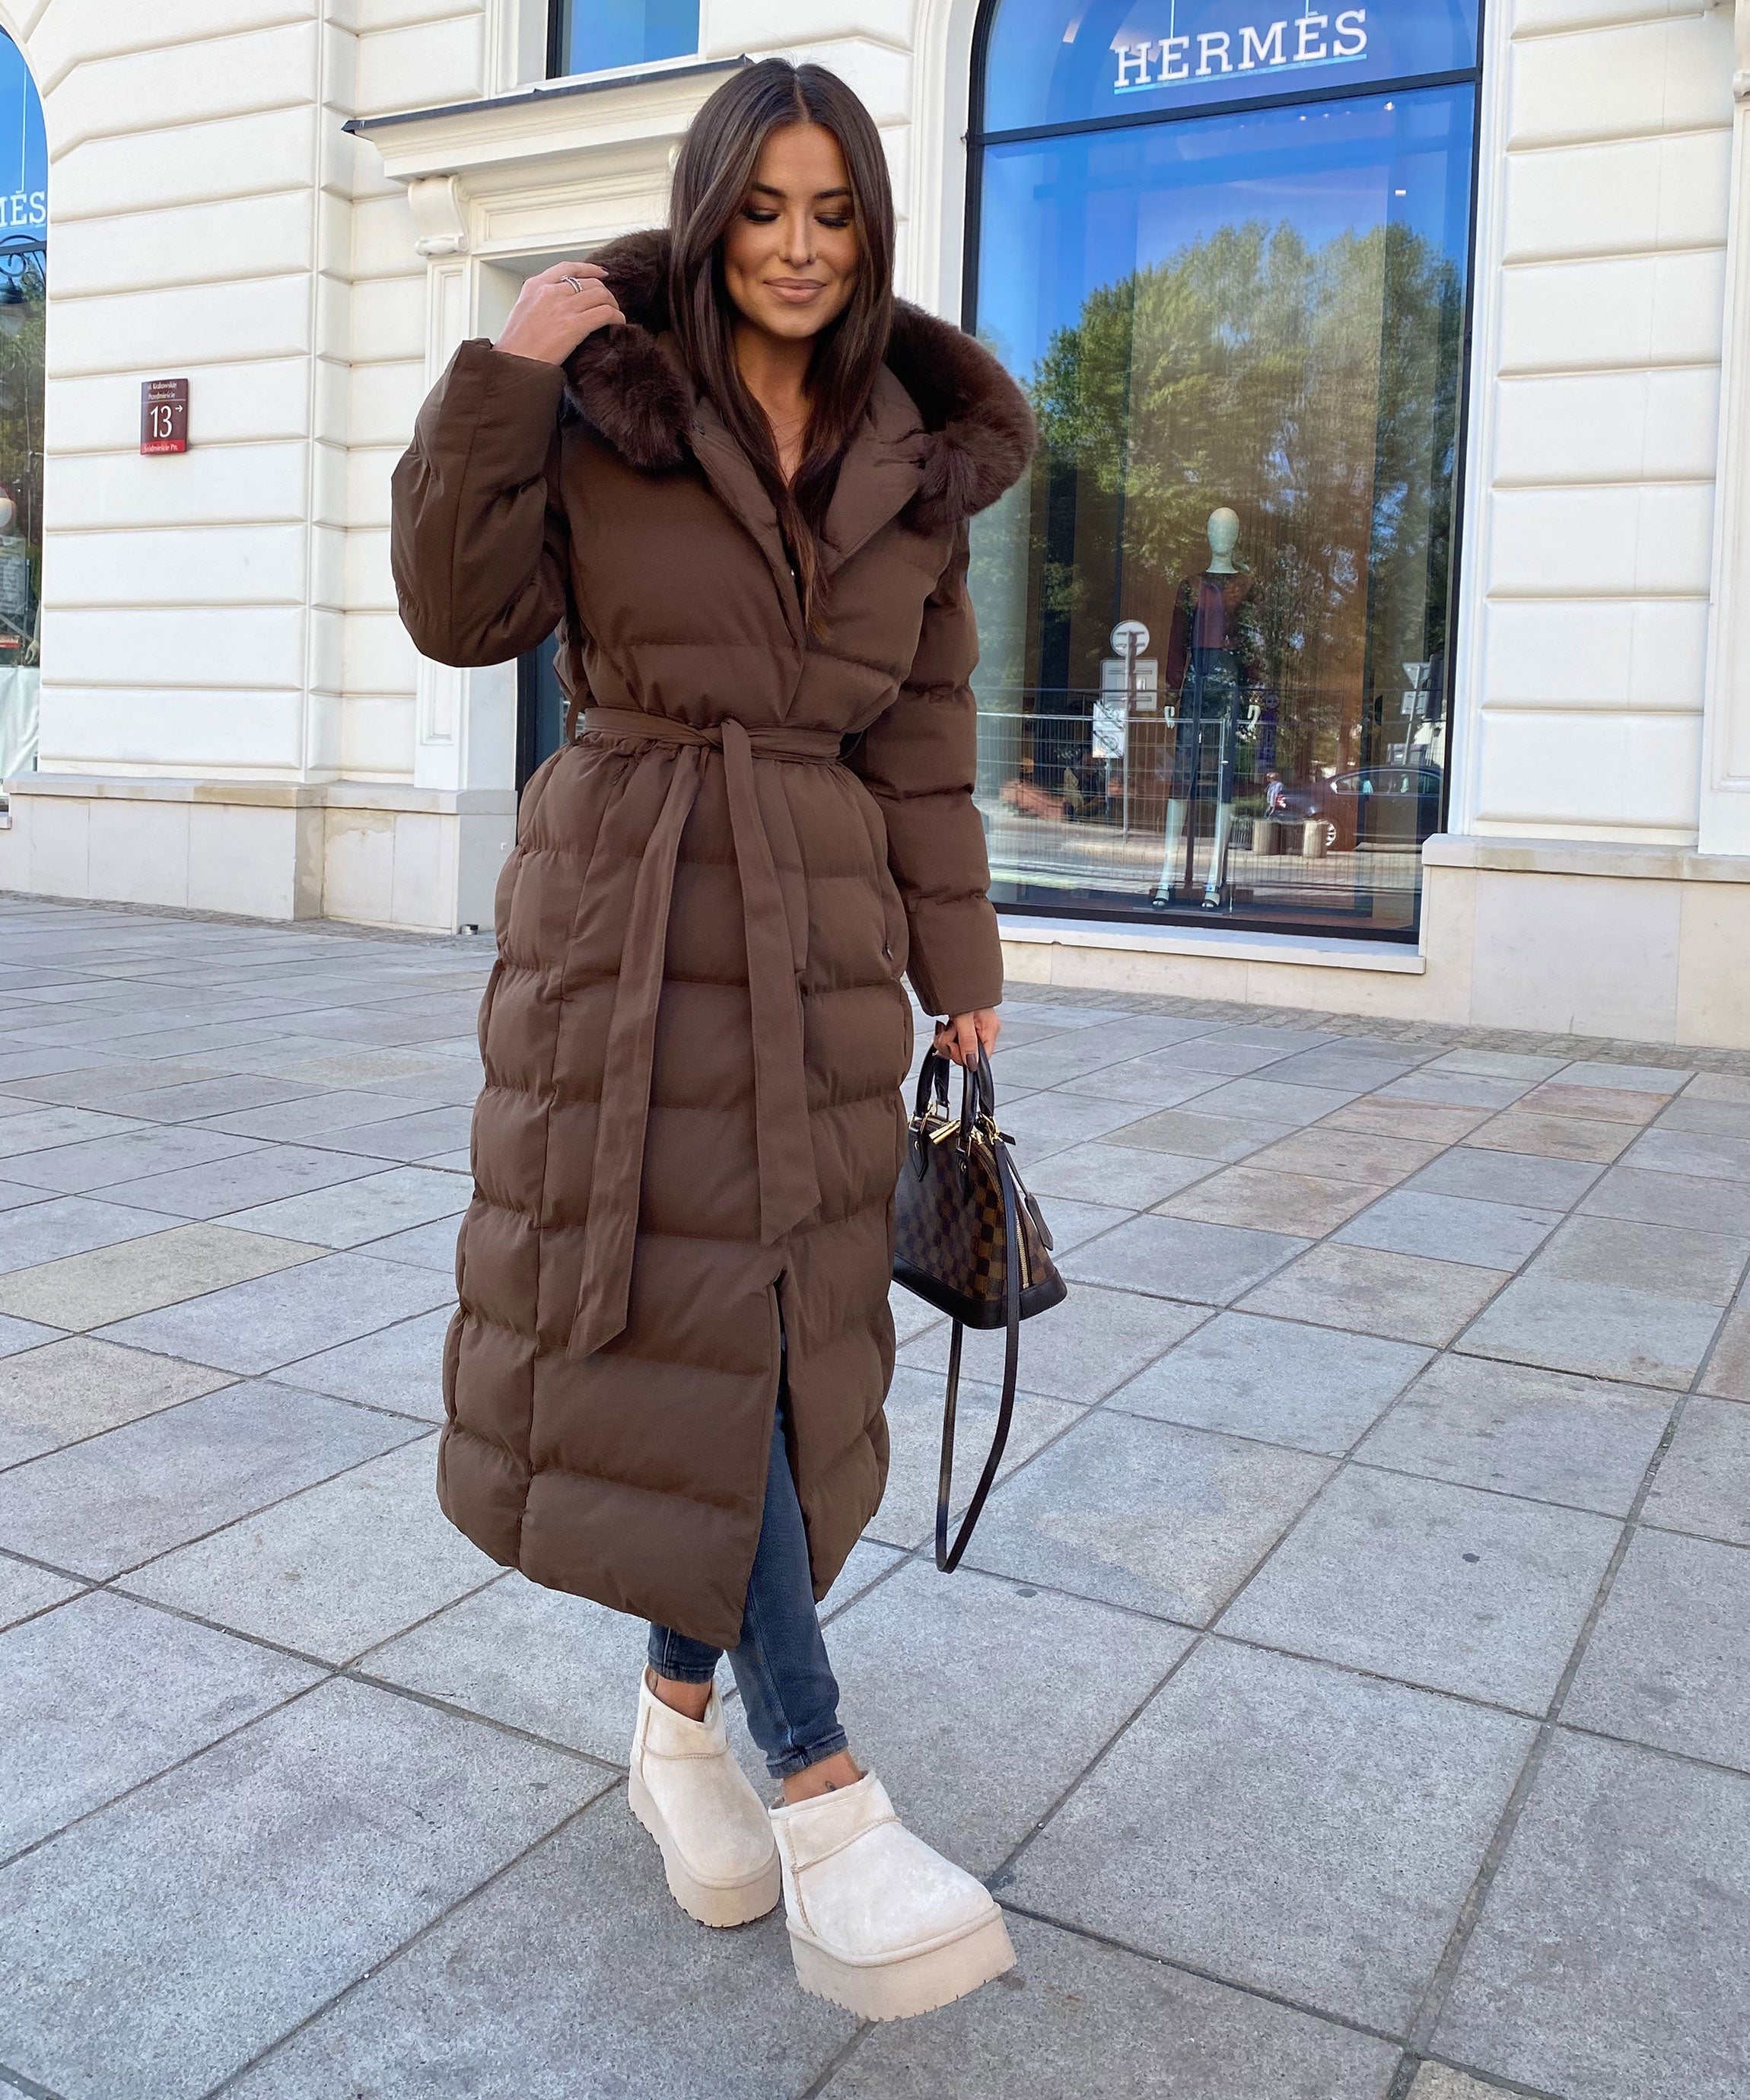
x=377 y=853
x=268 y=794
x=1608 y=860
x=1021 y=930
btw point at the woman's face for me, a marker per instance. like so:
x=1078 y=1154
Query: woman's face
x=790 y=257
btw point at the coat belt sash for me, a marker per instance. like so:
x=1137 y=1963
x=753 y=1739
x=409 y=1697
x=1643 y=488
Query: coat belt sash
x=788 y=1188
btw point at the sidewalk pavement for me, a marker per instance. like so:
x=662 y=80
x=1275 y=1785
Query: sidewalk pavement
x=1347 y=1694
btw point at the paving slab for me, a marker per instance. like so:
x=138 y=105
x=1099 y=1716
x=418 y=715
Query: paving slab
x=100 y=1163
x=186 y=1927
x=911 y=1315
x=1552 y=1136
x=1662 y=1079
x=78 y=1388
x=1607 y=1330
x=925 y=1660
x=400 y=1367
x=1440 y=1084
x=1308 y=1831
x=1707 y=1119
x=317 y=1115
x=1498 y=1236
x=1306 y=1206
x=1105 y=1172
x=1611 y=1961
x=25 y=1590
x=412 y=1137
x=330 y=1571
x=1440 y=2082
x=1180 y=1258
x=1132 y=1511
x=1274 y=1098
x=102 y=1087
x=1420 y=1121
x=430 y=1247
x=16 y=1334
x=1669 y=1199
x=139 y=1276
x=247 y=1180
x=1188 y=1134
x=1521 y=1178
x=1445 y=1586
x=1703 y=1483
x=63 y=1225
x=1315 y=1388
x=1717 y=1087
x=1085 y=2018
x=371 y=1207
x=103 y=1693
x=574 y=1977
x=1345 y=1155
x=1523 y=1431
x=1046 y=1123
x=1073 y=1222
x=1728 y=1371
x=1668 y=1661
x=1661 y=1152
x=123 y=1498
x=1157 y=1081
x=274 y=1320
x=1224 y=1051
x=1406 y=1297
x=907 y=1514
x=1565 y=1095
x=1705 y=1267
x=1078 y=1352
x=558 y=1666
x=1053 y=1060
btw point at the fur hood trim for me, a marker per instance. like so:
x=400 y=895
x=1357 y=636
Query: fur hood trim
x=979 y=430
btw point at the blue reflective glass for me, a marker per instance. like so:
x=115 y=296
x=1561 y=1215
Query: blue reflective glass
x=1243 y=336
x=23 y=234
x=594 y=36
x=1062 y=61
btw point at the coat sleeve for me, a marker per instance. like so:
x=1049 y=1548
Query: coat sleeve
x=477 y=536
x=919 y=760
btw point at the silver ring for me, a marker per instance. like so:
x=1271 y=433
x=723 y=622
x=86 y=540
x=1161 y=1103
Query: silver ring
x=572 y=282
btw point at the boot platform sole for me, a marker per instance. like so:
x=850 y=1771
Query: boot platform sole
x=710 y=1903
x=902 y=1986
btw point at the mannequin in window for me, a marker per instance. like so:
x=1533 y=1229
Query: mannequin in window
x=1212 y=662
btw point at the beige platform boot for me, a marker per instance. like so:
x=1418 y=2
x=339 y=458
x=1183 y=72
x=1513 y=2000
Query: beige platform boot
x=690 y=1794
x=879 y=1923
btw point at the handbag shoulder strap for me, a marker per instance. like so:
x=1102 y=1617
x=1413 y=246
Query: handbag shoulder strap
x=947 y=1557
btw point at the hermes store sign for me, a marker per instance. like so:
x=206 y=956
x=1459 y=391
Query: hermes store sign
x=1293 y=43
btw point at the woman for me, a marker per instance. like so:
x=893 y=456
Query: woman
x=735 y=474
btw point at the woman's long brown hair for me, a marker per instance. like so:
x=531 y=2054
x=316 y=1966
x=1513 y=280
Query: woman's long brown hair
x=712 y=176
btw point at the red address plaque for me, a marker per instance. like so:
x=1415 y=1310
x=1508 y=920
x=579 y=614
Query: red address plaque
x=164 y=416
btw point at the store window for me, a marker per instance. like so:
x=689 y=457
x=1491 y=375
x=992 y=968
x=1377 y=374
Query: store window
x=1226 y=250
x=23 y=236
x=595 y=36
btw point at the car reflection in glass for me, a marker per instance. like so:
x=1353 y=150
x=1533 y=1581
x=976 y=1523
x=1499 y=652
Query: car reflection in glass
x=1377 y=805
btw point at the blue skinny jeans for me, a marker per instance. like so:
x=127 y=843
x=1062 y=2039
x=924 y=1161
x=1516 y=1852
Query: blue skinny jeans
x=788 y=1690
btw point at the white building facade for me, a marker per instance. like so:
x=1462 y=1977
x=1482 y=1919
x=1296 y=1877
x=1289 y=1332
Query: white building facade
x=1450 y=316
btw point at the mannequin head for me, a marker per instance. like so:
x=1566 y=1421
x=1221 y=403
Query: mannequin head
x=1223 y=529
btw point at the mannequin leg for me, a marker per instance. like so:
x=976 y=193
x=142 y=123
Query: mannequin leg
x=1172 y=855
x=1218 y=874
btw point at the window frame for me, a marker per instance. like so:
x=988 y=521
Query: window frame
x=979 y=140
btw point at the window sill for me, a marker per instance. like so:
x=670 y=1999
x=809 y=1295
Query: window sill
x=1297 y=950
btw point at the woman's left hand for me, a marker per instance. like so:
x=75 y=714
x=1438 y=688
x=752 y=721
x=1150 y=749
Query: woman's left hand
x=961 y=1038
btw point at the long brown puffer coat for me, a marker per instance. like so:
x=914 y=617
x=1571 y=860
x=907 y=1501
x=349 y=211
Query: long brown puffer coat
x=695 y=1033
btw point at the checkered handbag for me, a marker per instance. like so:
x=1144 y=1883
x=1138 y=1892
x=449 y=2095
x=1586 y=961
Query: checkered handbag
x=970 y=1241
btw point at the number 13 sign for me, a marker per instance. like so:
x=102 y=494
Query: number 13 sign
x=164 y=416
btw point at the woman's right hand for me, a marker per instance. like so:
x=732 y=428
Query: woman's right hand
x=551 y=318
